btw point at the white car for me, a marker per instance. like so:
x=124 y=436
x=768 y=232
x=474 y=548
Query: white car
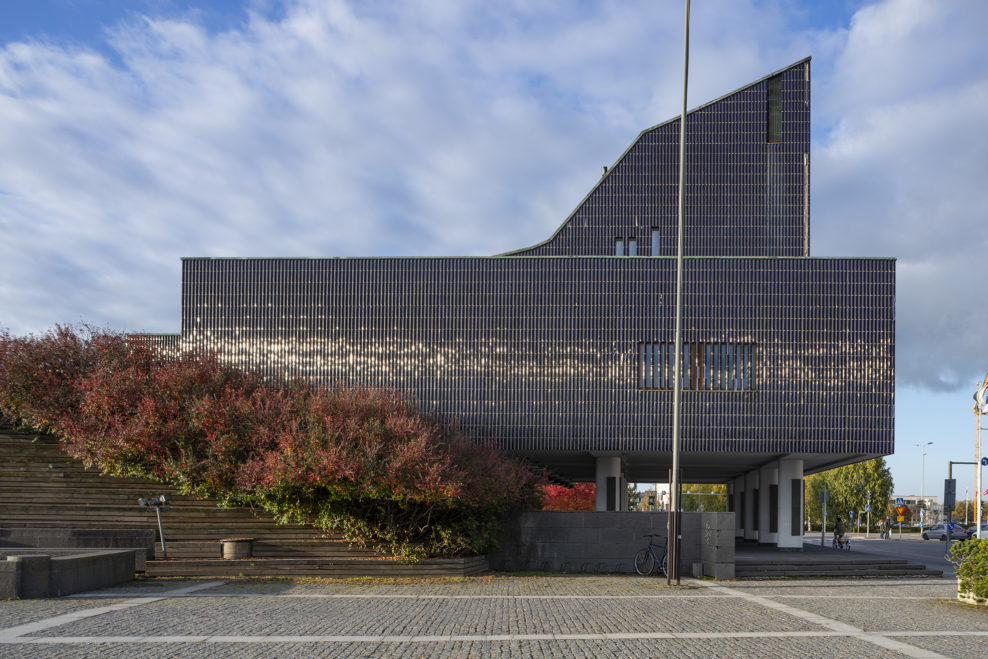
x=973 y=531
x=938 y=532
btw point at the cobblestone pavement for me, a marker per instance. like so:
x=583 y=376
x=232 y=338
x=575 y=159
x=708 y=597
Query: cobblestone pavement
x=492 y=616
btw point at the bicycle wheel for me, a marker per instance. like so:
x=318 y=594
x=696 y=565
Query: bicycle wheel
x=664 y=565
x=644 y=562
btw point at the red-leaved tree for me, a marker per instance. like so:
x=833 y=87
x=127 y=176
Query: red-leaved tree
x=582 y=496
x=351 y=459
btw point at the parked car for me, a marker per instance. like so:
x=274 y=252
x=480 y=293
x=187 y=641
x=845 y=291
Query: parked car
x=938 y=532
x=973 y=531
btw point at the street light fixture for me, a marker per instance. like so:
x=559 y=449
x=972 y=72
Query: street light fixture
x=158 y=504
x=922 y=485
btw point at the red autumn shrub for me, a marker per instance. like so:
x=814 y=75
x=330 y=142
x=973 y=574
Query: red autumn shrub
x=356 y=460
x=582 y=496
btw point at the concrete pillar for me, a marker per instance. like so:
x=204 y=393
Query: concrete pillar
x=750 y=485
x=609 y=475
x=768 y=503
x=738 y=506
x=791 y=503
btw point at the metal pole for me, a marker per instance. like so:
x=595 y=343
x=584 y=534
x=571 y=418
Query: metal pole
x=977 y=464
x=922 y=486
x=161 y=533
x=677 y=386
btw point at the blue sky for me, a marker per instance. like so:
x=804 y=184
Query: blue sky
x=134 y=133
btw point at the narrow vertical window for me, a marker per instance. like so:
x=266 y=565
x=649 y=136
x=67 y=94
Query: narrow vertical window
x=656 y=241
x=632 y=247
x=774 y=109
x=619 y=247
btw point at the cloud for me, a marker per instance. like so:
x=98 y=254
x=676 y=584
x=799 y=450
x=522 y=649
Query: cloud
x=343 y=128
x=900 y=173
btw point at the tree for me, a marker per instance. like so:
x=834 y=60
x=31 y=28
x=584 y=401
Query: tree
x=358 y=460
x=847 y=487
x=581 y=496
x=634 y=497
x=713 y=497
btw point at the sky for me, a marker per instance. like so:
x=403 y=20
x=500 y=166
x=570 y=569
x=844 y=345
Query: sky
x=136 y=132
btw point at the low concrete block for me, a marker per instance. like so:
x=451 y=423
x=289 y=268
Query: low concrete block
x=90 y=571
x=34 y=574
x=724 y=571
x=10 y=580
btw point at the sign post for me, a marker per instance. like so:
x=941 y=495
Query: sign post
x=949 y=498
x=868 y=510
x=900 y=511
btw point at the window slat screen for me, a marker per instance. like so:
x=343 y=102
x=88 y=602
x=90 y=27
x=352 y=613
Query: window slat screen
x=705 y=366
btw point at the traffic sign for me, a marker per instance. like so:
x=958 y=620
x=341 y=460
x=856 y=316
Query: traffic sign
x=901 y=510
x=899 y=501
x=868 y=508
x=851 y=513
x=900 y=518
x=984 y=462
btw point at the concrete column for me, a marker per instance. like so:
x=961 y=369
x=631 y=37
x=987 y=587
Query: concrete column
x=768 y=503
x=791 y=503
x=738 y=498
x=750 y=485
x=609 y=467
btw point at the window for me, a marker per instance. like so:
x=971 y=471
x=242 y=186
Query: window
x=706 y=366
x=656 y=241
x=632 y=247
x=619 y=247
x=774 y=110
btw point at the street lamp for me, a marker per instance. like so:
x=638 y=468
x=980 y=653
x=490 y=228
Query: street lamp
x=922 y=485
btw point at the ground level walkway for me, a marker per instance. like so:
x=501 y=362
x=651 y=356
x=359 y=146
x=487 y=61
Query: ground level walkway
x=572 y=616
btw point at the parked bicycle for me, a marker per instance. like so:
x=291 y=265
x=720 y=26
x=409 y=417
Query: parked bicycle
x=647 y=559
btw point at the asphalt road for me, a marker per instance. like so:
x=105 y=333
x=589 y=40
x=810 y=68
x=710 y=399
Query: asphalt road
x=912 y=548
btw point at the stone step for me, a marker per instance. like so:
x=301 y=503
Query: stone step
x=741 y=574
x=42 y=487
x=857 y=567
x=298 y=567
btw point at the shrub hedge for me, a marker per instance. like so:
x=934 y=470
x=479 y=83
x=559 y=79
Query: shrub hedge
x=971 y=559
x=355 y=460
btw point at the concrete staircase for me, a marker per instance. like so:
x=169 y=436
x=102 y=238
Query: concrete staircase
x=41 y=487
x=829 y=568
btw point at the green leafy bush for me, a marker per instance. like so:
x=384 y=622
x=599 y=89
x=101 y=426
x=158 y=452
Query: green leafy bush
x=355 y=460
x=971 y=559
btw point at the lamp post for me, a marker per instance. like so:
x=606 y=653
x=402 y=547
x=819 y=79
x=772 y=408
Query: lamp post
x=979 y=409
x=674 y=480
x=922 y=485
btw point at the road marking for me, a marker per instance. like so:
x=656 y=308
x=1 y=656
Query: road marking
x=16 y=634
x=829 y=623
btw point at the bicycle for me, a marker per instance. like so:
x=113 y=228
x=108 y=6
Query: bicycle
x=842 y=543
x=646 y=559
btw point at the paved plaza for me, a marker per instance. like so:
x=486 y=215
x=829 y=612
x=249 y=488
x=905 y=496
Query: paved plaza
x=558 y=616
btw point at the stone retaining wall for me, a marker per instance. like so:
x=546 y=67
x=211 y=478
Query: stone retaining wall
x=591 y=541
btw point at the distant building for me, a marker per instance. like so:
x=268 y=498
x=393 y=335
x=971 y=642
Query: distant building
x=563 y=351
x=934 y=511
